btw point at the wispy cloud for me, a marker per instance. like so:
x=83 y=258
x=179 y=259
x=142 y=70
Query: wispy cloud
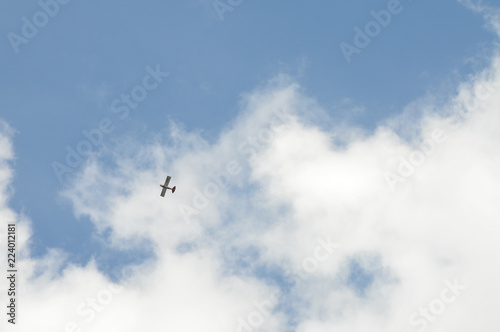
x=491 y=14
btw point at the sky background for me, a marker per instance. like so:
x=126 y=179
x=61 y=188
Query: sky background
x=331 y=133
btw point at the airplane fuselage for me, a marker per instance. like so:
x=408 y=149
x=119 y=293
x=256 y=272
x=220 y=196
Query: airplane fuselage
x=165 y=187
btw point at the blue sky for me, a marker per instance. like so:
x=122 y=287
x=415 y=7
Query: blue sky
x=64 y=80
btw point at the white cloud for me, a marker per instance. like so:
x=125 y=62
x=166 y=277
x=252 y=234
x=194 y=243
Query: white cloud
x=491 y=14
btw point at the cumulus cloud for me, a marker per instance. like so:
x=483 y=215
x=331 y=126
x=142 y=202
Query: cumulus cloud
x=284 y=223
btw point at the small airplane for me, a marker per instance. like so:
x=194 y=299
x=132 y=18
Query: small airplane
x=165 y=187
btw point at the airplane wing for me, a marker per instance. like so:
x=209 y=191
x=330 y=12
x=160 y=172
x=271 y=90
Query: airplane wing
x=167 y=181
x=163 y=191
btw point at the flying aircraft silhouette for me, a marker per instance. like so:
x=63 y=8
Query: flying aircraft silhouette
x=166 y=187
